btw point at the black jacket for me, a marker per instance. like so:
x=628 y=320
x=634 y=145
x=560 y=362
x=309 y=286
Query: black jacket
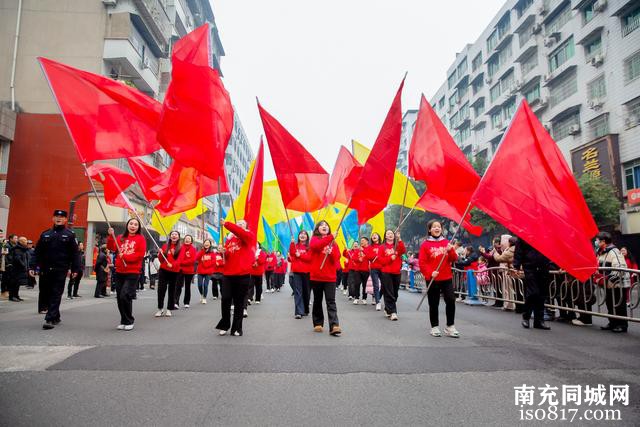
x=100 y=265
x=20 y=264
x=57 y=249
x=529 y=258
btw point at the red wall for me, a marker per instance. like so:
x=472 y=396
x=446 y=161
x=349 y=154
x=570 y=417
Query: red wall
x=44 y=174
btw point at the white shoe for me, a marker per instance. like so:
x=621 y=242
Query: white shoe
x=350 y=297
x=120 y=327
x=158 y=313
x=355 y=301
x=373 y=301
x=435 y=332
x=204 y=300
x=128 y=327
x=214 y=298
x=451 y=331
x=386 y=314
x=459 y=299
x=236 y=334
x=221 y=333
x=344 y=292
x=393 y=316
x=245 y=314
x=176 y=307
x=378 y=307
x=257 y=302
x=167 y=313
x=186 y=306
x=363 y=301
x=577 y=322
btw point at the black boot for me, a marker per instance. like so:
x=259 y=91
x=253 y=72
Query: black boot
x=525 y=323
x=541 y=325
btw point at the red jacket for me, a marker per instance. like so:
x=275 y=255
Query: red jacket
x=302 y=263
x=271 y=262
x=390 y=263
x=172 y=257
x=132 y=249
x=328 y=272
x=219 y=264
x=373 y=253
x=188 y=259
x=430 y=253
x=206 y=261
x=239 y=251
x=345 y=269
x=357 y=259
x=257 y=269
x=282 y=268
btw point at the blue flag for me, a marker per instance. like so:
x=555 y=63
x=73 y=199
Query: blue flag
x=350 y=227
x=269 y=237
x=284 y=235
x=307 y=222
x=214 y=234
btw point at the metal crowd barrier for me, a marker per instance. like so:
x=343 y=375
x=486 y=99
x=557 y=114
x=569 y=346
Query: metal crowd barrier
x=565 y=292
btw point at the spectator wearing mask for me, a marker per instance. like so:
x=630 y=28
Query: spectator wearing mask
x=615 y=282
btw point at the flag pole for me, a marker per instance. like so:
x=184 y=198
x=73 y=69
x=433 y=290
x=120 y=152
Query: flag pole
x=202 y=214
x=159 y=220
x=143 y=225
x=336 y=232
x=219 y=214
x=444 y=256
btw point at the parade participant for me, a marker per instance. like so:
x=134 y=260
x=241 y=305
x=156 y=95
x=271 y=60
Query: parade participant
x=614 y=282
x=206 y=259
x=20 y=268
x=353 y=280
x=216 y=277
x=154 y=267
x=362 y=269
x=300 y=267
x=431 y=252
x=130 y=251
x=281 y=271
x=257 y=271
x=391 y=260
x=536 y=283
x=271 y=263
x=101 y=268
x=74 y=282
x=239 y=255
x=325 y=256
x=373 y=254
x=56 y=253
x=187 y=271
x=168 y=274
x=345 y=277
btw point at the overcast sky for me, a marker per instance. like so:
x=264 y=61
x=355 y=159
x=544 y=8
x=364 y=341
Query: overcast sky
x=328 y=70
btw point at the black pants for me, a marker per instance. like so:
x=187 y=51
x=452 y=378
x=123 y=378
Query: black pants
x=257 y=287
x=268 y=275
x=328 y=290
x=306 y=292
x=126 y=293
x=536 y=292
x=617 y=305
x=216 y=281
x=446 y=288
x=73 y=285
x=495 y=280
x=233 y=290
x=364 y=275
x=4 y=281
x=152 y=280
x=184 y=280
x=101 y=286
x=52 y=284
x=167 y=284
x=390 y=286
x=584 y=300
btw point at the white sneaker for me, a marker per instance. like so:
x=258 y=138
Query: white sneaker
x=451 y=331
x=344 y=292
x=221 y=333
x=158 y=313
x=245 y=314
x=435 y=332
x=350 y=297
x=167 y=313
x=378 y=307
x=373 y=301
x=363 y=301
x=459 y=299
x=120 y=327
x=355 y=301
x=236 y=334
x=386 y=314
x=257 y=302
x=176 y=307
x=204 y=300
x=186 y=306
x=214 y=298
x=128 y=327
x=393 y=316
x=578 y=322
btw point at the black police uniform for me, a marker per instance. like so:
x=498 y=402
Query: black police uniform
x=536 y=282
x=56 y=253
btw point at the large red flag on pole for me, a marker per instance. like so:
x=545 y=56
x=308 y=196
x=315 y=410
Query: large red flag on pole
x=197 y=115
x=344 y=178
x=302 y=180
x=146 y=175
x=435 y=158
x=114 y=182
x=254 y=195
x=371 y=194
x=530 y=189
x=106 y=119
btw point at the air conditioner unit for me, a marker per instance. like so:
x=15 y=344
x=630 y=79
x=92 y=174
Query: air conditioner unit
x=597 y=60
x=599 y=5
x=548 y=41
x=109 y=2
x=631 y=121
x=536 y=28
x=574 y=130
x=145 y=63
x=594 y=103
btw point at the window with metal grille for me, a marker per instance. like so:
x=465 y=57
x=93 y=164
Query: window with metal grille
x=632 y=67
x=593 y=47
x=562 y=54
x=558 y=21
x=597 y=88
x=631 y=21
x=561 y=128
x=530 y=63
x=477 y=62
x=599 y=126
x=563 y=88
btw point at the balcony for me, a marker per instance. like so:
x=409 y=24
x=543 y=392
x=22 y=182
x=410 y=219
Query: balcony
x=129 y=64
x=562 y=70
x=154 y=17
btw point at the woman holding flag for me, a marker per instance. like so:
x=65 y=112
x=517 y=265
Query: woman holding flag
x=325 y=256
x=300 y=267
x=187 y=271
x=373 y=253
x=206 y=259
x=391 y=261
x=168 y=274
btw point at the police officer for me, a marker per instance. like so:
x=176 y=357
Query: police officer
x=536 y=283
x=56 y=253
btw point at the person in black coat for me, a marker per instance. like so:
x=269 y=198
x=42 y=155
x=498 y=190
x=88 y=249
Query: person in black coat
x=536 y=283
x=19 y=273
x=101 y=268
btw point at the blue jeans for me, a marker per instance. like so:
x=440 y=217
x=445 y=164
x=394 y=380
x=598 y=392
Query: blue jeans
x=203 y=284
x=375 y=280
x=298 y=285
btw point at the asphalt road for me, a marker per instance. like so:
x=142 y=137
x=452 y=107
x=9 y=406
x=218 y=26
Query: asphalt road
x=178 y=371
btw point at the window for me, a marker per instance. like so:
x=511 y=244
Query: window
x=526 y=35
x=477 y=62
x=507 y=82
x=597 y=88
x=522 y=6
x=632 y=67
x=593 y=47
x=480 y=132
x=454 y=99
x=478 y=109
x=630 y=21
x=505 y=54
x=441 y=103
x=530 y=63
x=599 y=126
x=464 y=112
x=493 y=66
x=561 y=55
x=632 y=175
x=508 y=109
x=588 y=13
x=462 y=67
x=465 y=133
x=558 y=21
x=477 y=85
x=454 y=120
x=532 y=93
x=503 y=25
x=561 y=128
x=452 y=79
x=492 y=41
x=496 y=120
x=633 y=111
x=495 y=92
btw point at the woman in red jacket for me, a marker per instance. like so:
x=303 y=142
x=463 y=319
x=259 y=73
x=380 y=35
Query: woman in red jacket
x=206 y=259
x=187 y=271
x=431 y=252
x=270 y=266
x=218 y=271
x=391 y=261
x=325 y=256
x=168 y=273
x=353 y=278
x=257 y=271
x=239 y=251
x=300 y=267
x=130 y=252
x=373 y=253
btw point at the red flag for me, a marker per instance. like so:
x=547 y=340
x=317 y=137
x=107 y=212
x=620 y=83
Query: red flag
x=344 y=178
x=106 y=119
x=180 y=188
x=376 y=180
x=114 y=182
x=435 y=158
x=530 y=189
x=254 y=195
x=146 y=175
x=302 y=180
x=197 y=115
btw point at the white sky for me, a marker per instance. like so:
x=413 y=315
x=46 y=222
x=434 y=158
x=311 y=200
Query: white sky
x=328 y=70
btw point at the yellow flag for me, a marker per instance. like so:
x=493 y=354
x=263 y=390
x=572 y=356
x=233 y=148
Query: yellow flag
x=197 y=211
x=164 y=224
x=377 y=224
x=272 y=208
x=240 y=201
